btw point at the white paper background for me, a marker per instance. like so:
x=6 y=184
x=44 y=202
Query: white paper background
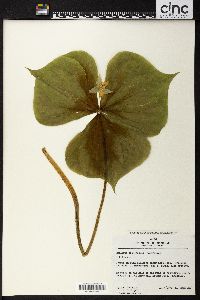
x=40 y=252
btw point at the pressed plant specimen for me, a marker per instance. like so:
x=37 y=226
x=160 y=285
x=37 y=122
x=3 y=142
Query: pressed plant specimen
x=129 y=106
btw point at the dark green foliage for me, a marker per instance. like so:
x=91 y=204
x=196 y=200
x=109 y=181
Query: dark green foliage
x=134 y=108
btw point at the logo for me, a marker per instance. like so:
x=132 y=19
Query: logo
x=174 y=9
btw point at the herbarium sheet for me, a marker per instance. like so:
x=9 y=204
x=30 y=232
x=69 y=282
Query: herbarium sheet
x=98 y=158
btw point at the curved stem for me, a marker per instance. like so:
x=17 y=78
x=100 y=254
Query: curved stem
x=97 y=220
x=76 y=205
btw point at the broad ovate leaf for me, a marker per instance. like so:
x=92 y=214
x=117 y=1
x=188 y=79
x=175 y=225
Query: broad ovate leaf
x=106 y=150
x=134 y=106
x=62 y=87
x=140 y=94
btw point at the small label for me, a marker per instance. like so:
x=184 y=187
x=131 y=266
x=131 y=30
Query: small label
x=154 y=263
x=174 y=9
x=91 y=288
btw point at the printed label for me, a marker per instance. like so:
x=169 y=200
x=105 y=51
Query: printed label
x=154 y=263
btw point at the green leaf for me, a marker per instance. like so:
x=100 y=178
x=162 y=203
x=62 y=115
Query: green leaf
x=106 y=150
x=140 y=94
x=61 y=89
x=88 y=64
x=134 y=106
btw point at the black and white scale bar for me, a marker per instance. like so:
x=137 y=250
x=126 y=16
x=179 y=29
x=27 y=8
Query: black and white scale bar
x=103 y=15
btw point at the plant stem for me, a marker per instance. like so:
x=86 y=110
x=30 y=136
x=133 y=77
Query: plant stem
x=76 y=205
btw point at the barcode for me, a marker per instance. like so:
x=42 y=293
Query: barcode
x=92 y=287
